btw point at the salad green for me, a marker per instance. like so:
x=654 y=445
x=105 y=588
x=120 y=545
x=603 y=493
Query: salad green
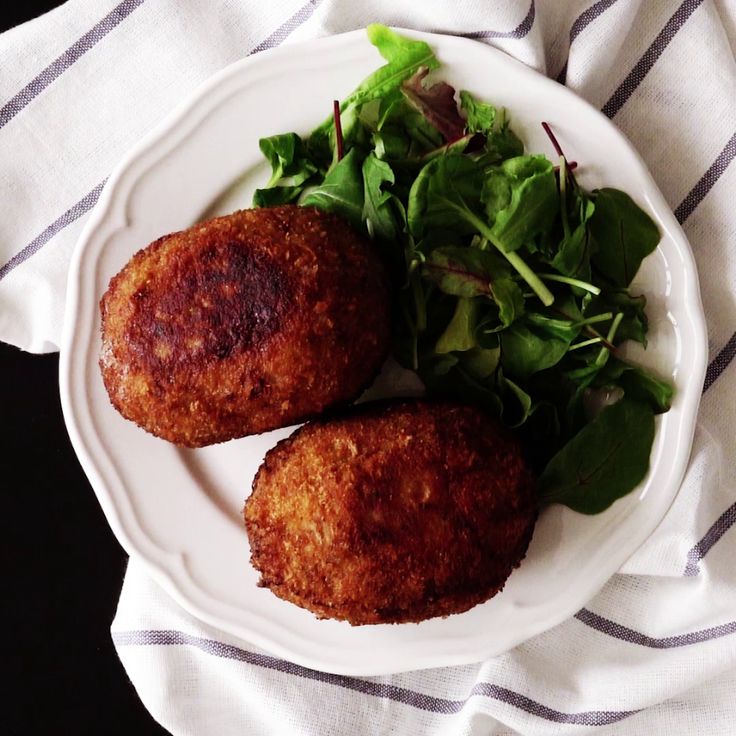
x=513 y=281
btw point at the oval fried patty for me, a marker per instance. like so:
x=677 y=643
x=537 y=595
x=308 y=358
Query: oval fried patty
x=392 y=513
x=243 y=324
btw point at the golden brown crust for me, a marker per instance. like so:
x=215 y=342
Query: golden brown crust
x=242 y=324
x=391 y=513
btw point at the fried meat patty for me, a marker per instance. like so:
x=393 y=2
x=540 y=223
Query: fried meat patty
x=243 y=324
x=392 y=513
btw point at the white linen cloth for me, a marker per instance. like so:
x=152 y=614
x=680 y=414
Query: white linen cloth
x=655 y=651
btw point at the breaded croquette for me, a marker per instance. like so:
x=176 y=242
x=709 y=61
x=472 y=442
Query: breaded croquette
x=244 y=323
x=393 y=512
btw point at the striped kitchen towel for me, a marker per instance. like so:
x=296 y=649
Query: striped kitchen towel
x=655 y=651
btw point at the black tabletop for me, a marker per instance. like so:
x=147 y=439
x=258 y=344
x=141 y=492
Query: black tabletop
x=62 y=568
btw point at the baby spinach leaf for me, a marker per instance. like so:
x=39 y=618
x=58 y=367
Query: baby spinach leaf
x=341 y=191
x=641 y=385
x=624 y=235
x=417 y=200
x=528 y=349
x=606 y=460
x=533 y=203
x=564 y=329
x=447 y=194
x=459 y=335
x=481 y=363
x=496 y=193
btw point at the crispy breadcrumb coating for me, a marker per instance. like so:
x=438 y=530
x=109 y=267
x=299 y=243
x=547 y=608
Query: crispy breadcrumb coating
x=244 y=323
x=394 y=512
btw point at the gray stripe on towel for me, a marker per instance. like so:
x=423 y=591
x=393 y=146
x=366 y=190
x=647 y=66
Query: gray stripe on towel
x=611 y=628
x=722 y=524
x=580 y=23
x=57 y=67
x=647 y=61
x=73 y=213
x=89 y=200
x=415 y=699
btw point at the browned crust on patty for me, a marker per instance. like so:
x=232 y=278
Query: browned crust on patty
x=243 y=324
x=392 y=513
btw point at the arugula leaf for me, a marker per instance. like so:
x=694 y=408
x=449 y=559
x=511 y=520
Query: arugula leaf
x=573 y=256
x=279 y=150
x=634 y=325
x=287 y=157
x=291 y=170
x=606 y=460
x=480 y=116
x=523 y=406
x=624 y=235
x=459 y=335
x=341 y=191
x=404 y=57
x=377 y=213
x=501 y=142
x=507 y=295
x=436 y=103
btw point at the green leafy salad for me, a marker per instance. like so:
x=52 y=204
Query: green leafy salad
x=512 y=281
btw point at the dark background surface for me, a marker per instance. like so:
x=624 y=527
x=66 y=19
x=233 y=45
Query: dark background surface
x=61 y=567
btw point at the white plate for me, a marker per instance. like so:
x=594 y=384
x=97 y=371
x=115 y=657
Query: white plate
x=179 y=511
